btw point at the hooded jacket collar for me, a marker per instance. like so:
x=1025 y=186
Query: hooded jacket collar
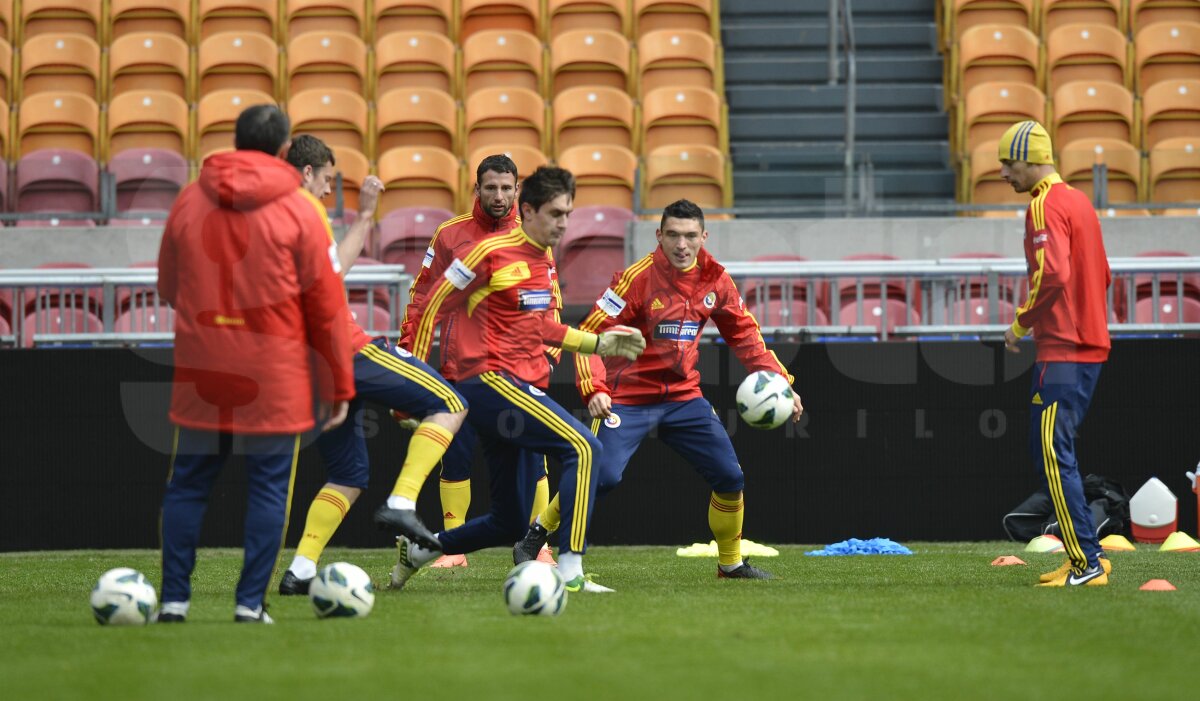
x=247 y=180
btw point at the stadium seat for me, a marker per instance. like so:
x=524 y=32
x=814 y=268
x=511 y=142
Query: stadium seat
x=80 y=298
x=378 y=295
x=983 y=185
x=241 y=16
x=599 y=115
x=499 y=58
x=1086 y=110
x=964 y=15
x=1146 y=12
x=5 y=329
x=372 y=318
x=324 y=16
x=4 y=198
x=56 y=180
x=145 y=320
x=568 y=15
x=1169 y=311
x=338 y=117
x=668 y=58
x=6 y=67
x=870 y=312
x=695 y=172
x=416 y=117
x=60 y=63
x=1165 y=51
x=140 y=297
x=149 y=61
x=673 y=15
x=977 y=311
x=504 y=115
x=686 y=115
x=587 y=257
x=327 y=60
x=777 y=297
x=419 y=177
x=407 y=16
x=589 y=57
x=604 y=174
x=355 y=168
x=216 y=114
x=415 y=59
x=1124 y=163
x=405 y=235
x=992 y=52
x=136 y=16
x=1056 y=13
x=844 y=290
x=527 y=158
x=991 y=108
x=589 y=220
x=148 y=119
x=785 y=312
x=6 y=21
x=61 y=17
x=147 y=179
x=1169 y=285
x=58 y=320
x=977 y=285
x=243 y=60
x=1091 y=52
x=507 y=15
x=1175 y=170
x=1170 y=108
x=58 y=120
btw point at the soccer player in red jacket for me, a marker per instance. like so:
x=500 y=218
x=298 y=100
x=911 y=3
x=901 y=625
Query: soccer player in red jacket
x=1066 y=313
x=503 y=288
x=261 y=315
x=670 y=295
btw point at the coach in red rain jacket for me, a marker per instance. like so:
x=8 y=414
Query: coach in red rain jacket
x=261 y=318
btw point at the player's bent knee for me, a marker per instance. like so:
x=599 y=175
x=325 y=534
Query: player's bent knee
x=729 y=485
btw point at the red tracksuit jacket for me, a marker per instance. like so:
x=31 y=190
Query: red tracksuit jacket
x=1068 y=276
x=247 y=263
x=670 y=307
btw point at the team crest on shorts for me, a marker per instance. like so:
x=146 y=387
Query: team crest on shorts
x=710 y=300
x=612 y=421
x=403 y=353
x=536 y=392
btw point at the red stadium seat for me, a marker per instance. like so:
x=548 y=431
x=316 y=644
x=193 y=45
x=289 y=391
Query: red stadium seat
x=872 y=309
x=587 y=259
x=88 y=299
x=405 y=235
x=380 y=296
x=785 y=312
x=763 y=289
x=1169 y=311
x=57 y=320
x=372 y=318
x=148 y=179
x=55 y=180
x=145 y=320
x=976 y=310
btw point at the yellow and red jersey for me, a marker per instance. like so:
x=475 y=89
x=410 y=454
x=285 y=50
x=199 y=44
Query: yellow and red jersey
x=670 y=307
x=1068 y=276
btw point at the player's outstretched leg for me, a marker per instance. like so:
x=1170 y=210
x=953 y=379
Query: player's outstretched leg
x=412 y=557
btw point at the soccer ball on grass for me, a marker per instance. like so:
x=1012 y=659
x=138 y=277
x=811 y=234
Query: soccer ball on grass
x=342 y=590
x=764 y=400
x=123 y=597
x=536 y=589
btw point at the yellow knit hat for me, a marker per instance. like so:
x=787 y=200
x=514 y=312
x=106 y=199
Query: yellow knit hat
x=1026 y=141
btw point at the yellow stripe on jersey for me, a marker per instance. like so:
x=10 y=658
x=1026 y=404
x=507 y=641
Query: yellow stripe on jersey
x=412 y=372
x=321 y=211
x=583 y=451
x=1037 y=209
x=592 y=322
x=421 y=273
x=424 y=336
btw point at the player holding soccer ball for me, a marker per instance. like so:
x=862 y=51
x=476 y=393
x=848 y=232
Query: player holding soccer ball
x=670 y=295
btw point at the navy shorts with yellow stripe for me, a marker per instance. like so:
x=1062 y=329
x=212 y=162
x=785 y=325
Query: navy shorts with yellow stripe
x=396 y=379
x=1059 y=400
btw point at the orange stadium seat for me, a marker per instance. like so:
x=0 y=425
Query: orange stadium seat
x=1175 y=170
x=1056 y=13
x=355 y=168
x=668 y=58
x=216 y=114
x=60 y=62
x=685 y=115
x=147 y=119
x=1123 y=161
x=962 y=15
x=149 y=61
x=566 y=15
x=497 y=57
x=1093 y=110
x=1091 y=52
x=1170 y=108
x=325 y=16
x=419 y=177
x=6 y=20
x=167 y=16
x=61 y=17
x=508 y=116
x=696 y=172
x=406 y=16
x=604 y=174
x=4 y=142
x=587 y=115
x=984 y=185
x=653 y=15
x=1146 y=12
x=415 y=60
x=508 y=15
x=416 y=117
x=527 y=158
x=6 y=66
x=1167 y=50
x=590 y=57
x=338 y=117
x=991 y=108
x=238 y=60
x=244 y=16
x=321 y=60
x=64 y=120
x=404 y=235
x=992 y=52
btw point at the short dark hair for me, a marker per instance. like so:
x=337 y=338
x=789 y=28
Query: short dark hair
x=308 y=150
x=545 y=184
x=262 y=128
x=682 y=209
x=498 y=163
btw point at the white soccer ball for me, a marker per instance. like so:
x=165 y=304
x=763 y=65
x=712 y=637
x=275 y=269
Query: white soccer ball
x=342 y=590
x=123 y=597
x=764 y=399
x=536 y=589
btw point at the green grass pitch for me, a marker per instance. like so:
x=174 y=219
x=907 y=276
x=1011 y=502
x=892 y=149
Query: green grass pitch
x=942 y=624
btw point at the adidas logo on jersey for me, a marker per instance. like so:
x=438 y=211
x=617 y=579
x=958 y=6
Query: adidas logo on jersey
x=656 y=304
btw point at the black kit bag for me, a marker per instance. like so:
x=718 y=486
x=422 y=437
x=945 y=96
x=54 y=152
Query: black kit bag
x=1035 y=516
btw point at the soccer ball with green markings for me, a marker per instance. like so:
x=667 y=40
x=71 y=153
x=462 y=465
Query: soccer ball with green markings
x=765 y=399
x=123 y=597
x=535 y=589
x=342 y=590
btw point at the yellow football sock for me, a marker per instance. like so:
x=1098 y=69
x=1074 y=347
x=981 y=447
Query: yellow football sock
x=326 y=513
x=456 y=499
x=541 y=499
x=425 y=451
x=551 y=516
x=725 y=520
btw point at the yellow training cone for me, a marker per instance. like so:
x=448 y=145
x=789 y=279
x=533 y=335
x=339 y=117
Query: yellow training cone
x=1044 y=544
x=1116 y=541
x=1180 y=542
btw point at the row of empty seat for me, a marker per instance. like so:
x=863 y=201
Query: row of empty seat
x=1042 y=17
